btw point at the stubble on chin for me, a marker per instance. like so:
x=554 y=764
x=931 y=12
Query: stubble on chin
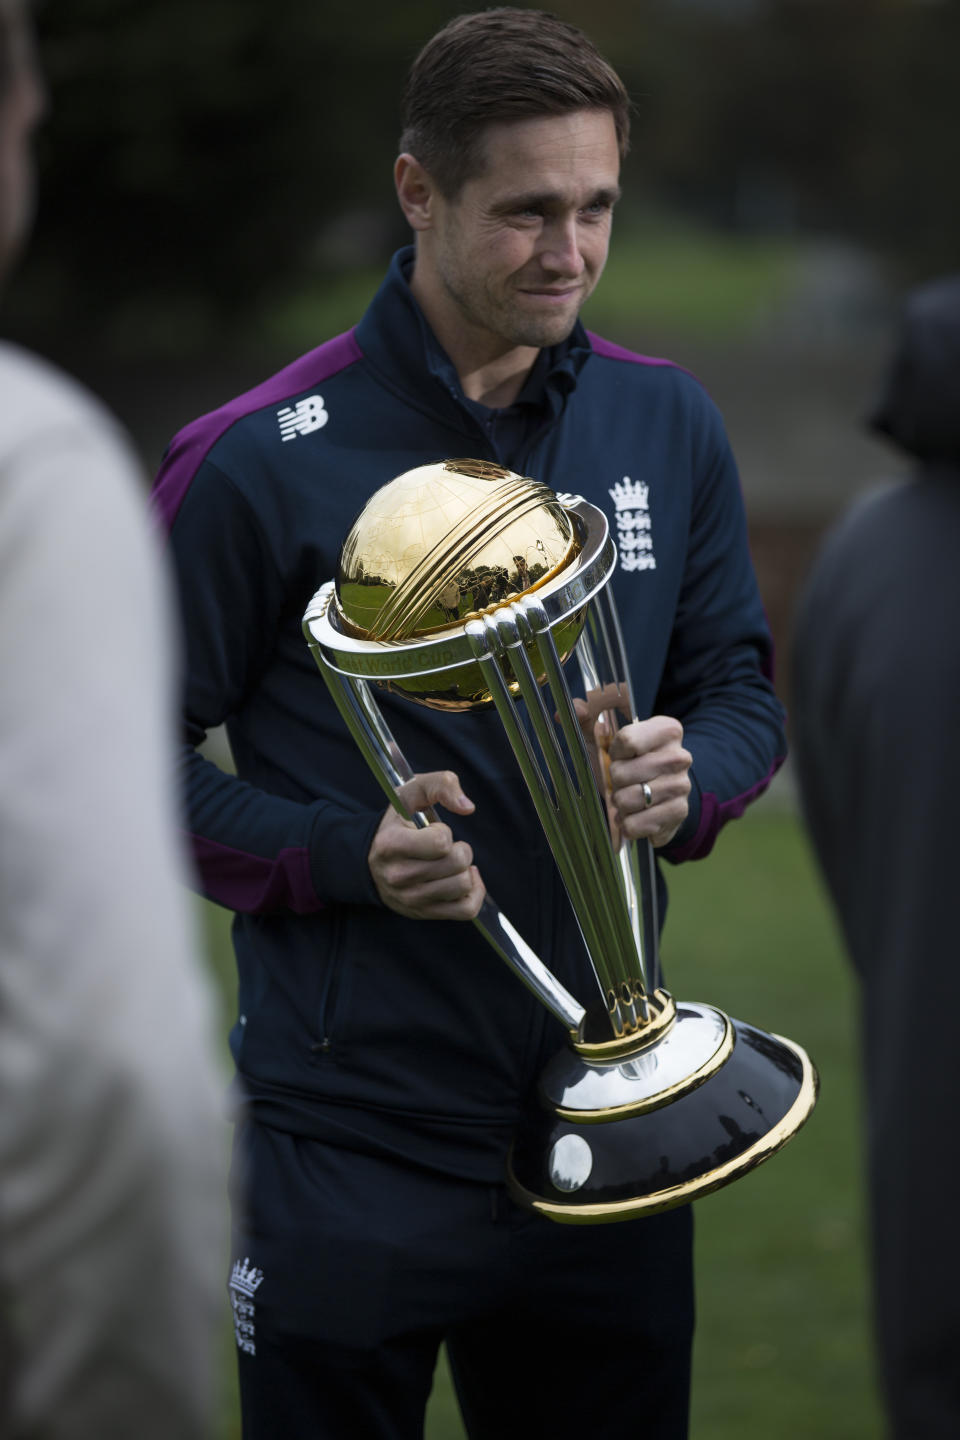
x=540 y=334
x=503 y=315
x=541 y=329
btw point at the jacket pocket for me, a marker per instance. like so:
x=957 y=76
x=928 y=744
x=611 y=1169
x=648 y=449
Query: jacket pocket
x=331 y=985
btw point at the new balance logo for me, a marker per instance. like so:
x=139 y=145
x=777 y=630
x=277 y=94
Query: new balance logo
x=300 y=419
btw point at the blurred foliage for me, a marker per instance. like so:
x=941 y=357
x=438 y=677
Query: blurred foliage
x=205 y=161
x=836 y=115
x=668 y=277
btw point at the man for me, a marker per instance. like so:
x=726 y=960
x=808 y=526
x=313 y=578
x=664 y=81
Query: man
x=110 y=1131
x=877 y=686
x=384 y=1052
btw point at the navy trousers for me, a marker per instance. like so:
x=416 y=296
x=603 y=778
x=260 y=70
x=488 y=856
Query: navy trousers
x=350 y=1271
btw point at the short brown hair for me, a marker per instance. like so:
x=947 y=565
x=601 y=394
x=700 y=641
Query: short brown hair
x=500 y=65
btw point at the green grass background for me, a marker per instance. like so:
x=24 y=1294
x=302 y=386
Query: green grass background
x=783 y=1344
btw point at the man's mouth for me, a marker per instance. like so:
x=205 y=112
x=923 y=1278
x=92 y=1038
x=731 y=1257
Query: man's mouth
x=569 y=292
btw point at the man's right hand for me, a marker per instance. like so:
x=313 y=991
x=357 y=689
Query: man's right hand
x=426 y=874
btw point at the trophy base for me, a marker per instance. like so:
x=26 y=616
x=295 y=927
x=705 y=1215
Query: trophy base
x=681 y=1139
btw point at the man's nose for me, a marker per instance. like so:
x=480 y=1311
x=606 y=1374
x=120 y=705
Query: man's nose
x=560 y=251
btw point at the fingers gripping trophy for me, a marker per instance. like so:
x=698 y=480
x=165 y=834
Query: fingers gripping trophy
x=463 y=585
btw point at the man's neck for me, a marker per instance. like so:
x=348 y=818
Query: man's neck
x=499 y=382
x=490 y=371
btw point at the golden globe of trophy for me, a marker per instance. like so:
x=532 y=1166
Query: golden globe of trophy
x=464 y=585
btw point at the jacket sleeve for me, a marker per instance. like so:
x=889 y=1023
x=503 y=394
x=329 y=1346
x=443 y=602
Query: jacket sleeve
x=255 y=852
x=718 y=677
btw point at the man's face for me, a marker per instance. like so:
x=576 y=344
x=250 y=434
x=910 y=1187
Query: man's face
x=523 y=244
x=20 y=108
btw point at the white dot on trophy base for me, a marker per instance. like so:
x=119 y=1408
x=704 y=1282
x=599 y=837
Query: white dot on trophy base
x=571 y=1161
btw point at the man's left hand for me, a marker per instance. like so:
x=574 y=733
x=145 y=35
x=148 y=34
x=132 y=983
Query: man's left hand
x=649 y=779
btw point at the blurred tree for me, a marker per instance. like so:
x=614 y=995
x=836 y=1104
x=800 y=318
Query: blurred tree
x=195 y=148
x=837 y=117
x=202 y=157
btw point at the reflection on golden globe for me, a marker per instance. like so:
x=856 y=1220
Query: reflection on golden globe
x=446 y=543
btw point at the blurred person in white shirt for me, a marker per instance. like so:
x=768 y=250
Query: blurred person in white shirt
x=111 y=1143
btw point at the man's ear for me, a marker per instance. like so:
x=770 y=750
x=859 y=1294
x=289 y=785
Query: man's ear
x=416 y=192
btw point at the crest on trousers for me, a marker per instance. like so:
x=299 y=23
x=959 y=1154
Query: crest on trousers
x=245 y=1281
x=634 y=537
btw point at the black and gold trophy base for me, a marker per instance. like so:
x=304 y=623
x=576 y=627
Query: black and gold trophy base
x=603 y=1168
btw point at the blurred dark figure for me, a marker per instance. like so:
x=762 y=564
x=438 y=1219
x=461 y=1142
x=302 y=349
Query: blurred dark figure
x=877 y=741
x=111 y=1192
